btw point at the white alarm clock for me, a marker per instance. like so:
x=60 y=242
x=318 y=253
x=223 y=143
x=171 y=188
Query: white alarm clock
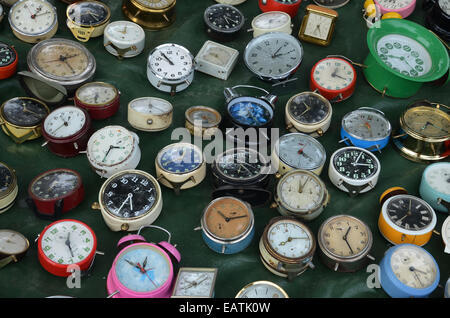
x=124 y=39
x=271 y=21
x=216 y=60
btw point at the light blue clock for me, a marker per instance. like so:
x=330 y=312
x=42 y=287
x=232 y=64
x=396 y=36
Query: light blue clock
x=435 y=186
x=408 y=270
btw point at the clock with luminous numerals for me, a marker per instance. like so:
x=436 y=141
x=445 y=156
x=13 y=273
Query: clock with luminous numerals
x=223 y=22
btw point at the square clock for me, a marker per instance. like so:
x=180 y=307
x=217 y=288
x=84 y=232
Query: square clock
x=216 y=60
x=318 y=25
x=195 y=282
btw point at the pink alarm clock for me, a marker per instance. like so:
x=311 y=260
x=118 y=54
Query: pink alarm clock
x=142 y=269
x=402 y=7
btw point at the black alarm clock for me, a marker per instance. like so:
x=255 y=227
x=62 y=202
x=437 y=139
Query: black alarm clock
x=438 y=17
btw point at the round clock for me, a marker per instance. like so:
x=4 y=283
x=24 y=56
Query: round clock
x=445 y=233
x=223 y=22
x=124 y=39
x=273 y=56
x=308 y=113
x=21 y=118
x=8 y=187
x=141 y=269
x=150 y=113
x=67 y=130
x=13 y=246
x=129 y=199
x=354 y=170
x=331 y=4
x=366 y=128
x=55 y=192
x=180 y=166
x=202 y=121
x=228 y=225
x=435 y=186
x=151 y=14
x=403 y=55
x=2 y=12
x=262 y=289
x=64 y=62
x=298 y=151
x=87 y=19
x=424 y=132
x=287 y=247
x=64 y=244
x=438 y=18
x=33 y=20
x=301 y=194
x=403 y=7
x=195 y=282
x=112 y=149
x=101 y=100
x=8 y=61
x=170 y=68
x=272 y=21
x=288 y=6
x=345 y=242
x=334 y=78
x=232 y=2
x=407 y=271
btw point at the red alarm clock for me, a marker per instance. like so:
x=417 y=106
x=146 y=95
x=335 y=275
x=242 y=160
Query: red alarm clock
x=288 y=6
x=67 y=130
x=66 y=245
x=334 y=78
x=55 y=192
x=101 y=100
x=8 y=61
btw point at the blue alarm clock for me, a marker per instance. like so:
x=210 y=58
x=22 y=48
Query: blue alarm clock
x=366 y=128
x=408 y=270
x=435 y=186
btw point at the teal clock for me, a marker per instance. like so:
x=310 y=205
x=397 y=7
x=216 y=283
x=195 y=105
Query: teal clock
x=435 y=186
x=403 y=55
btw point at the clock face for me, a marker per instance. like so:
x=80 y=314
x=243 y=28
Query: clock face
x=394 y=4
x=171 y=62
x=333 y=74
x=404 y=55
x=413 y=266
x=97 y=93
x=262 y=289
x=12 y=242
x=110 y=145
x=64 y=122
x=345 y=236
x=224 y=18
x=410 y=213
x=143 y=268
x=355 y=164
x=6 y=179
x=150 y=105
x=318 y=26
x=366 y=124
x=88 y=13
x=445 y=231
x=33 y=17
x=193 y=282
x=309 y=108
x=300 y=191
x=445 y=6
x=203 y=116
x=125 y=31
x=273 y=55
x=156 y=4
x=180 y=158
x=290 y=239
x=428 y=121
x=250 y=111
x=24 y=112
x=241 y=164
x=271 y=20
x=68 y=242
x=217 y=55
x=227 y=218
x=331 y=3
x=438 y=177
x=301 y=151
x=130 y=195
x=55 y=184
x=7 y=55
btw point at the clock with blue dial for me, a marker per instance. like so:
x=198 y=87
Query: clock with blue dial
x=250 y=111
x=180 y=158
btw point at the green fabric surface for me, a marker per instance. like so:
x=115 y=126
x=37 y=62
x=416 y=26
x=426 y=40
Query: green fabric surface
x=181 y=214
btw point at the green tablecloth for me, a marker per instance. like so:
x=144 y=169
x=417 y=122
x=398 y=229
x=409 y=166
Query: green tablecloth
x=181 y=214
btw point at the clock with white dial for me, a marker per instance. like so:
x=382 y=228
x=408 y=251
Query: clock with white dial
x=271 y=21
x=124 y=39
x=262 y=289
x=13 y=246
x=64 y=122
x=195 y=282
x=435 y=186
x=150 y=113
x=216 y=60
x=403 y=7
x=232 y=2
x=445 y=232
x=318 y=25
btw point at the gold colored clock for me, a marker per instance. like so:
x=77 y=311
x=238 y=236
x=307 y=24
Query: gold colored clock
x=318 y=25
x=151 y=14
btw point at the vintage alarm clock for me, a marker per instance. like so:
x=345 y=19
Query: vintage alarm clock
x=195 y=282
x=142 y=269
x=332 y=4
x=64 y=244
x=101 y=100
x=8 y=60
x=271 y=21
x=288 y=6
x=445 y=233
x=2 y=12
x=404 y=8
x=223 y=22
x=202 y=121
x=67 y=130
x=232 y=2
x=8 y=187
x=55 y=192
x=408 y=271
x=153 y=15
x=150 y=113
x=13 y=247
x=435 y=186
x=318 y=25
x=216 y=60
x=262 y=289
x=124 y=39
x=437 y=18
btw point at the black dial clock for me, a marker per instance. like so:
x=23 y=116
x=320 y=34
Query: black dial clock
x=309 y=108
x=7 y=55
x=223 y=22
x=438 y=17
x=55 y=184
x=355 y=164
x=24 y=111
x=6 y=178
x=88 y=13
x=409 y=212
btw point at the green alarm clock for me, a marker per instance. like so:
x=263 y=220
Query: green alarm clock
x=403 y=55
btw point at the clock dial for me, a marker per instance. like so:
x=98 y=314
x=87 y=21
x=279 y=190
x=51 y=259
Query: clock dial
x=227 y=218
x=445 y=6
x=301 y=151
x=271 y=20
x=150 y=105
x=88 y=13
x=125 y=31
x=33 y=17
x=355 y=163
x=12 y=242
x=428 y=121
x=55 y=184
x=333 y=4
x=366 y=124
x=334 y=74
x=156 y=4
x=204 y=116
x=110 y=145
x=170 y=61
x=290 y=239
x=413 y=266
x=224 y=18
x=180 y=158
x=410 y=213
x=217 y=55
x=65 y=121
x=274 y=55
x=241 y=164
x=318 y=26
x=309 y=108
x=6 y=179
x=404 y=55
x=250 y=111
x=130 y=195
x=68 y=242
x=262 y=289
x=445 y=232
x=7 y=55
x=438 y=178
x=97 y=93
x=24 y=112
x=394 y=4
x=195 y=283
